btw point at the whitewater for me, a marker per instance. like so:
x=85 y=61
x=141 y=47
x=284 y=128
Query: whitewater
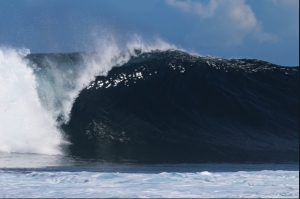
x=45 y=176
x=57 y=139
x=25 y=124
x=155 y=181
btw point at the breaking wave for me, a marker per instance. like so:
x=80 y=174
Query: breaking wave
x=148 y=103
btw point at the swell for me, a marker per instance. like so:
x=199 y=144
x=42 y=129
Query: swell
x=170 y=106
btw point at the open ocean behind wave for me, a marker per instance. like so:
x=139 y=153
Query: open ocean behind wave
x=158 y=107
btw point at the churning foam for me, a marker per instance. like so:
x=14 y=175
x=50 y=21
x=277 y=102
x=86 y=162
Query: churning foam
x=30 y=104
x=25 y=126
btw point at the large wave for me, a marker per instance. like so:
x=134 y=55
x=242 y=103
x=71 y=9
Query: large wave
x=38 y=91
x=148 y=103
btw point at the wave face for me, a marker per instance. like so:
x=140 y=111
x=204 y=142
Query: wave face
x=170 y=106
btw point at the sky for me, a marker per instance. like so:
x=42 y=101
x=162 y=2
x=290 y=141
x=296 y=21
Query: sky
x=265 y=29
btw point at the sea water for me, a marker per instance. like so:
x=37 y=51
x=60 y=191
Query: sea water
x=33 y=175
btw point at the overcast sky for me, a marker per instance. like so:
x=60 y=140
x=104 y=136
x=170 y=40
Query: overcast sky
x=264 y=29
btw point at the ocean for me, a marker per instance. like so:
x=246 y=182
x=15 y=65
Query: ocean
x=146 y=121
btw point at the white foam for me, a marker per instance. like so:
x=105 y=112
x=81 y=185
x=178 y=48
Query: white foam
x=25 y=126
x=249 y=184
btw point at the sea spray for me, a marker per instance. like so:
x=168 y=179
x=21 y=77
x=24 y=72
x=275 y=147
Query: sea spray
x=61 y=77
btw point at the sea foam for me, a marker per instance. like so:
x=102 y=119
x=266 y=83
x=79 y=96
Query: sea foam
x=249 y=184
